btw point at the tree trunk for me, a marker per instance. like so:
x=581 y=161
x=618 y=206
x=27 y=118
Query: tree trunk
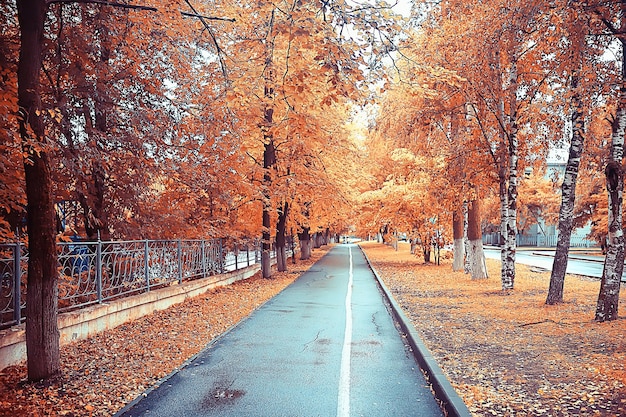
x=305 y=244
x=102 y=110
x=42 y=333
x=507 y=258
x=426 y=253
x=508 y=261
x=568 y=188
x=478 y=266
x=384 y=230
x=608 y=298
x=281 y=247
x=269 y=159
x=467 y=268
x=317 y=240
x=426 y=246
x=457 y=234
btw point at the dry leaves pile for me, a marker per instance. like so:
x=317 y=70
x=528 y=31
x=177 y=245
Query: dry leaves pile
x=509 y=354
x=102 y=374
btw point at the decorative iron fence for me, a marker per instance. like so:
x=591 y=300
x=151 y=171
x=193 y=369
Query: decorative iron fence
x=93 y=272
x=13 y=261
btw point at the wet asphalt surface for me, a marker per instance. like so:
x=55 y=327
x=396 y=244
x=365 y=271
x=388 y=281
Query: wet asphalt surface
x=289 y=357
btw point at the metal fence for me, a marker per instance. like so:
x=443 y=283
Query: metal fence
x=575 y=242
x=539 y=240
x=93 y=272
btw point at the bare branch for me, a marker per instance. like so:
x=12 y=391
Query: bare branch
x=106 y=3
x=609 y=25
x=225 y=19
x=213 y=38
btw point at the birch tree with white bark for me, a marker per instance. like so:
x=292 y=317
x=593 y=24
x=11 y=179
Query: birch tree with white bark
x=608 y=298
x=577 y=140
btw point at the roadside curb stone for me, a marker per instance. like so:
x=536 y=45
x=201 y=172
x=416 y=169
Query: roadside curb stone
x=444 y=391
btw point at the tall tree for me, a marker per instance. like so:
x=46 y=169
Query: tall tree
x=504 y=83
x=608 y=298
x=568 y=186
x=42 y=336
x=42 y=333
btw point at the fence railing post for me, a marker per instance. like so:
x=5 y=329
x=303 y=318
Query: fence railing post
x=145 y=265
x=180 y=262
x=247 y=254
x=204 y=260
x=236 y=250
x=17 y=280
x=99 y=269
x=222 y=256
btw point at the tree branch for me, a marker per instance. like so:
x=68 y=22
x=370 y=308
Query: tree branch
x=225 y=19
x=105 y=3
x=609 y=25
x=208 y=29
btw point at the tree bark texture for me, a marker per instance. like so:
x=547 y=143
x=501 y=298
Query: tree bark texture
x=466 y=264
x=512 y=141
x=269 y=153
x=426 y=247
x=269 y=159
x=317 y=240
x=568 y=190
x=608 y=298
x=458 y=235
x=476 y=255
x=102 y=110
x=507 y=256
x=305 y=244
x=281 y=250
x=42 y=333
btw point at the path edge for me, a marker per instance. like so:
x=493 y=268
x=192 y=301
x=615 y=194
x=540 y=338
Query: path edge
x=452 y=403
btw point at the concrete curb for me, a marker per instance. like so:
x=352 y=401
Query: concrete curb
x=444 y=391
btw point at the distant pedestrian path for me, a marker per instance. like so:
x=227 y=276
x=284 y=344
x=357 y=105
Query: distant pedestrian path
x=325 y=346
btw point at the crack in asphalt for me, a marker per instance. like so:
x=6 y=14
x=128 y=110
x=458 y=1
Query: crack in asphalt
x=306 y=345
x=376 y=325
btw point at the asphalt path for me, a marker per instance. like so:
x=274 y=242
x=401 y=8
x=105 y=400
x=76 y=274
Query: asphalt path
x=578 y=264
x=325 y=346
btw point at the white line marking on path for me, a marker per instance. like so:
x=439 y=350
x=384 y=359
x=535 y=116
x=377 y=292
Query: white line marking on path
x=343 y=404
